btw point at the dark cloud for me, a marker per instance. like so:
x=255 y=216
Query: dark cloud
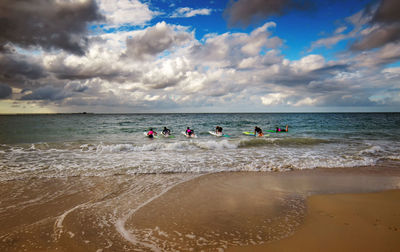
x=244 y=12
x=289 y=78
x=5 y=91
x=378 y=38
x=47 y=23
x=387 y=12
x=104 y=72
x=356 y=99
x=293 y=80
x=76 y=87
x=331 y=69
x=155 y=40
x=17 y=69
x=71 y=74
x=387 y=19
x=47 y=93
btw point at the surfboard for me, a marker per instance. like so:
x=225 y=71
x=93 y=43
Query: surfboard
x=218 y=135
x=247 y=133
x=167 y=135
x=186 y=135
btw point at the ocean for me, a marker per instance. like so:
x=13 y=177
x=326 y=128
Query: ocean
x=65 y=145
x=95 y=182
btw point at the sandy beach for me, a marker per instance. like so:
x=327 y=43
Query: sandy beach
x=344 y=222
x=312 y=210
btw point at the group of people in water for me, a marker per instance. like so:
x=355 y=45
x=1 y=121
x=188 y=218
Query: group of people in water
x=218 y=130
x=167 y=132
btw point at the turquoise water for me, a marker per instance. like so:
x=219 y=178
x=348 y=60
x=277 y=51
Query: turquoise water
x=102 y=145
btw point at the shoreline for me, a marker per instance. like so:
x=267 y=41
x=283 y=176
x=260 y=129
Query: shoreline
x=231 y=211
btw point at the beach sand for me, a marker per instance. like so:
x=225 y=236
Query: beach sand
x=344 y=222
x=347 y=209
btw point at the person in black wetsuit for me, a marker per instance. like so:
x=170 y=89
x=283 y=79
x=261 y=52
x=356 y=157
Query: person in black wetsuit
x=166 y=132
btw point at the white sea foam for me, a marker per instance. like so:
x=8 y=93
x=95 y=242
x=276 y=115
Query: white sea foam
x=187 y=156
x=161 y=146
x=372 y=150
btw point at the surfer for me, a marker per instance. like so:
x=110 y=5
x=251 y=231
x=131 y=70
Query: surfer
x=189 y=132
x=151 y=133
x=166 y=132
x=258 y=131
x=282 y=130
x=218 y=130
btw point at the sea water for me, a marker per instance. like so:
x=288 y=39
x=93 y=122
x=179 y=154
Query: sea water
x=64 y=145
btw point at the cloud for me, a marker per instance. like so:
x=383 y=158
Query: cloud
x=392 y=70
x=231 y=49
x=76 y=87
x=378 y=37
x=125 y=12
x=386 y=18
x=5 y=91
x=155 y=40
x=47 y=93
x=190 y=12
x=70 y=67
x=389 y=53
x=354 y=25
x=167 y=73
x=18 y=69
x=274 y=99
x=308 y=63
x=47 y=24
x=244 y=12
x=387 y=12
x=328 y=42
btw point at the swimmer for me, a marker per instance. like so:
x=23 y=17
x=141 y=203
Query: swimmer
x=258 y=131
x=151 y=133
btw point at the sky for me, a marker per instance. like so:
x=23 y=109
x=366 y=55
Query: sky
x=156 y=56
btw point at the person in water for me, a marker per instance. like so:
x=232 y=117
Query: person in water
x=189 y=132
x=166 y=132
x=151 y=133
x=282 y=130
x=258 y=131
x=218 y=130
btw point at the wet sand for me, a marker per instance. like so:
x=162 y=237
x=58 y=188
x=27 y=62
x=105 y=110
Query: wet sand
x=345 y=209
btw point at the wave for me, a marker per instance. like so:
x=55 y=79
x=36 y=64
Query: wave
x=373 y=150
x=187 y=145
x=159 y=146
